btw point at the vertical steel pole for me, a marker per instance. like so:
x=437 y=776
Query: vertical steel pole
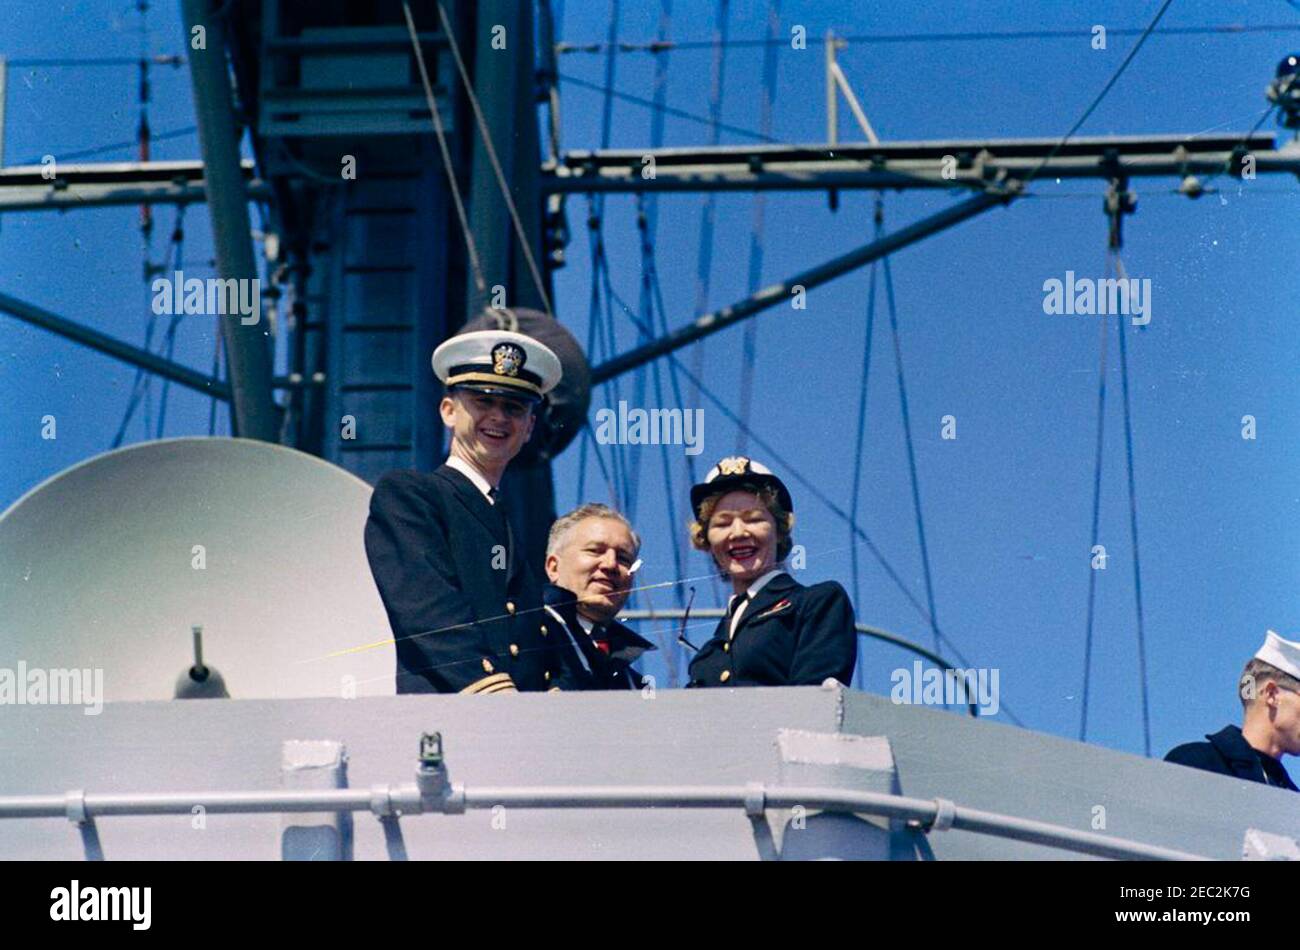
x=254 y=414
x=496 y=85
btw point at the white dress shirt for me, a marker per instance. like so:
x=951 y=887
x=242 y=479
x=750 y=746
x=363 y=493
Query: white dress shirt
x=474 y=475
x=753 y=590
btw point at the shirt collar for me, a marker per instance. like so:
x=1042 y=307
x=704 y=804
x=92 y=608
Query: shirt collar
x=758 y=585
x=473 y=474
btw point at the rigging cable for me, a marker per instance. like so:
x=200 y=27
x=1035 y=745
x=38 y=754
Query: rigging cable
x=1232 y=29
x=749 y=346
x=595 y=345
x=647 y=220
x=1110 y=84
x=524 y=245
x=911 y=452
x=704 y=256
x=668 y=110
x=169 y=338
x=1133 y=521
x=140 y=386
x=596 y=246
x=1096 y=517
x=476 y=267
x=855 y=493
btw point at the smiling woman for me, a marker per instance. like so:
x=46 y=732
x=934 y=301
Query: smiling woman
x=777 y=632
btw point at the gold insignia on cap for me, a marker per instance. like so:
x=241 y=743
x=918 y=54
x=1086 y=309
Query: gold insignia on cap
x=736 y=465
x=507 y=359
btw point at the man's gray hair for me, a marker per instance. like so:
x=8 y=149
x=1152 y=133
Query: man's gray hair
x=566 y=523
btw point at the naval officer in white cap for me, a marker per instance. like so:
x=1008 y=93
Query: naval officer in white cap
x=466 y=612
x=1270 y=695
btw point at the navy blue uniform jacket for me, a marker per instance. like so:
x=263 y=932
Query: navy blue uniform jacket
x=1228 y=753
x=595 y=670
x=789 y=635
x=466 y=614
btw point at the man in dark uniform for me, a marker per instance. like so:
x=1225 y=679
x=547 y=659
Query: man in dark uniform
x=1270 y=695
x=777 y=632
x=466 y=612
x=591 y=558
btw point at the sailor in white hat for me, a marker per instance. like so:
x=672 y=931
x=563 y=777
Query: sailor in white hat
x=1270 y=698
x=466 y=612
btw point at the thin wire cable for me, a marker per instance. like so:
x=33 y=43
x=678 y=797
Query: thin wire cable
x=140 y=385
x=1231 y=29
x=1253 y=129
x=216 y=370
x=858 y=457
x=647 y=310
x=618 y=450
x=1110 y=84
x=476 y=266
x=117 y=146
x=1096 y=527
x=524 y=244
x=1133 y=521
x=593 y=318
x=159 y=59
x=709 y=209
x=911 y=452
x=672 y=110
x=647 y=218
x=749 y=345
x=619 y=456
x=169 y=345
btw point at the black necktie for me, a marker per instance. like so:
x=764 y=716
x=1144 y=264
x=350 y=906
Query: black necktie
x=498 y=505
x=736 y=602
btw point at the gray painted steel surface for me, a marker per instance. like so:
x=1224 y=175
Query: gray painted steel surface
x=706 y=737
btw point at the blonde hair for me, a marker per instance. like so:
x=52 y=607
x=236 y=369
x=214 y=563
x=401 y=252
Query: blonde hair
x=699 y=528
x=1256 y=674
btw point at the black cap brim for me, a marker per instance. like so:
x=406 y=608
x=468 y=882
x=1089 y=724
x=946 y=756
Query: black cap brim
x=727 y=483
x=518 y=395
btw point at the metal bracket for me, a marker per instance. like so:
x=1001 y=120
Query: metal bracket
x=755 y=800
x=1119 y=202
x=75 y=807
x=944 y=816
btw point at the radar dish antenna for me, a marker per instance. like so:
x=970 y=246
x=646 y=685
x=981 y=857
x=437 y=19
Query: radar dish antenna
x=111 y=563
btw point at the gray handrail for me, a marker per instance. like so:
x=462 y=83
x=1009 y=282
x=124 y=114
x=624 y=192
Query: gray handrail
x=936 y=814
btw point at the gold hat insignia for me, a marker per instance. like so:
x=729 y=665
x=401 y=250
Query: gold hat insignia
x=507 y=359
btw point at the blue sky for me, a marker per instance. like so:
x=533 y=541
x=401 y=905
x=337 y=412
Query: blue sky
x=1007 y=504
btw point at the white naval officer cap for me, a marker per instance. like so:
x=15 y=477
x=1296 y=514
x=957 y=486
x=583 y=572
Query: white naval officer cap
x=499 y=362
x=1283 y=654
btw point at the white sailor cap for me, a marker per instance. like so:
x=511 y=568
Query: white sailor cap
x=1283 y=654
x=498 y=362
